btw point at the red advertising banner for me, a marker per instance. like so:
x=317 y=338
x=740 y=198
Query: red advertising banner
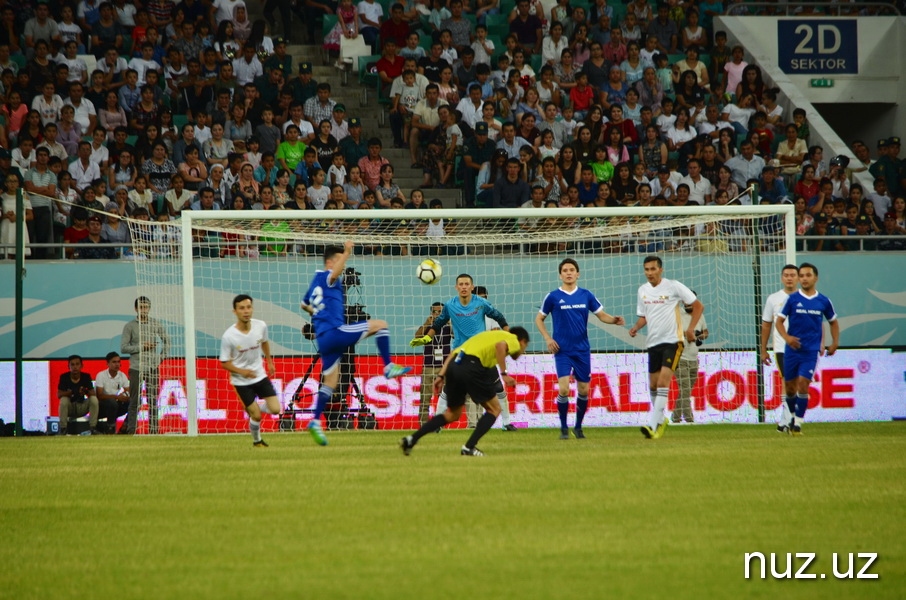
x=853 y=385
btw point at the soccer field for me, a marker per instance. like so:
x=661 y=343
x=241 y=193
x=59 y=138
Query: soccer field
x=611 y=516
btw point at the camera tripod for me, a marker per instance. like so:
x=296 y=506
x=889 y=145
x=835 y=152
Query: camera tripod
x=338 y=413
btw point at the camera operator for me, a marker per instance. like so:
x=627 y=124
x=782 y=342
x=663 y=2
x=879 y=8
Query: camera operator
x=77 y=397
x=435 y=352
x=112 y=392
x=687 y=371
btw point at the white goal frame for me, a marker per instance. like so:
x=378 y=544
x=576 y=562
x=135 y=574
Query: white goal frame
x=190 y=218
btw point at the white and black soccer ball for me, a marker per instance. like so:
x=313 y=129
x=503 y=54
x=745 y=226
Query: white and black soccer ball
x=429 y=271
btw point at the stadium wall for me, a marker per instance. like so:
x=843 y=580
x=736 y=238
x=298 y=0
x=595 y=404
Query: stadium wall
x=81 y=307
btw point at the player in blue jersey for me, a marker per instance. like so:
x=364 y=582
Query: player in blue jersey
x=800 y=325
x=466 y=313
x=569 y=306
x=325 y=301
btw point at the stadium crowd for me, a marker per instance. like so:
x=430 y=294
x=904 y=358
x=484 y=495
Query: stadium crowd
x=193 y=106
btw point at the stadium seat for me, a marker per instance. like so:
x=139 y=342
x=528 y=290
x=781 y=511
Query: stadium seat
x=179 y=121
x=327 y=26
x=536 y=64
x=498 y=25
x=366 y=79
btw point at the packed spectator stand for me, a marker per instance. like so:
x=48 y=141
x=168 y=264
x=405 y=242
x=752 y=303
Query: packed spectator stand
x=149 y=109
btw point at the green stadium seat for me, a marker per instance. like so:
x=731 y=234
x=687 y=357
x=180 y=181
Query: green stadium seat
x=619 y=13
x=328 y=23
x=498 y=25
x=131 y=139
x=366 y=79
x=179 y=121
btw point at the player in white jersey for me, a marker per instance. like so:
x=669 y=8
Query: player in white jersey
x=242 y=347
x=789 y=277
x=660 y=307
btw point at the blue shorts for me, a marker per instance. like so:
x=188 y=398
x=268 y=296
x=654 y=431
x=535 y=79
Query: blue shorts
x=576 y=364
x=332 y=344
x=797 y=363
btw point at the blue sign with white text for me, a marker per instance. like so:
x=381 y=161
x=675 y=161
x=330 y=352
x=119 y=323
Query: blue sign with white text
x=817 y=46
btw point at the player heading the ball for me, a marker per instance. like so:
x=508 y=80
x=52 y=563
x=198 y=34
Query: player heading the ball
x=569 y=306
x=472 y=369
x=242 y=347
x=325 y=301
x=660 y=305
x=800 y=325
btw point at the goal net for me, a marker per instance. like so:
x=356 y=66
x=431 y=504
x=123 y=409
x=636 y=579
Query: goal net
x=191 y=269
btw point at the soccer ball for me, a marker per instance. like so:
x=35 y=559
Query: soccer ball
x=429 y=271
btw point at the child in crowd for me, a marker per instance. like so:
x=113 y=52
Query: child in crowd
x=412 y=49
x=483 y=47
x=337 y=170
x=253 y=152
x=567 y=119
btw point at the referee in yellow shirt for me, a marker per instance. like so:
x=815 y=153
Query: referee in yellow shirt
x=473 y=369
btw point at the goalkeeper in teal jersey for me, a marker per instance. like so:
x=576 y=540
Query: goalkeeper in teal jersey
x=466 y=313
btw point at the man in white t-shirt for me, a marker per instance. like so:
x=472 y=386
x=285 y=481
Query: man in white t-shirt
x=700 y=188
x=370 y=13
x=145 y=63
x=247 y=67
x=789 y=277
x=112 y=387
x=659 y=307
x=224 y=9
x=241 y=350
x=85 y=111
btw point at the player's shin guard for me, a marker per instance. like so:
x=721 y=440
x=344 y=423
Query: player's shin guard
x=433 y=424
x=658 y=406
x=482 y=427
x=255 y=429
x=581 y=407
x=324 y=394
x=562 y=410
x=801 y=406
x=504 y=408
x=382 y=339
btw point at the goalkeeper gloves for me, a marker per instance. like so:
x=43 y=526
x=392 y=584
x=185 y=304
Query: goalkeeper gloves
x=420 y=341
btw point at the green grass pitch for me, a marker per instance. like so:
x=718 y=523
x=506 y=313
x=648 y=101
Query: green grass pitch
x=612 y=516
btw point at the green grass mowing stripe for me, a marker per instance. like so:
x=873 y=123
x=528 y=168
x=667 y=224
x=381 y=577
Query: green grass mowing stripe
x=537 y=518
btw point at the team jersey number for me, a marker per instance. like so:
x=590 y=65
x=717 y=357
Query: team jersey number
x=316 y=301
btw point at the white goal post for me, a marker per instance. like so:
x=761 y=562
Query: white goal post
x=727 y=253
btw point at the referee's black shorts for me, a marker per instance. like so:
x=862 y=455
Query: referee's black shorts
x=664 y=355
x=778 y=360
x=468 y=376
x=260 y=389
